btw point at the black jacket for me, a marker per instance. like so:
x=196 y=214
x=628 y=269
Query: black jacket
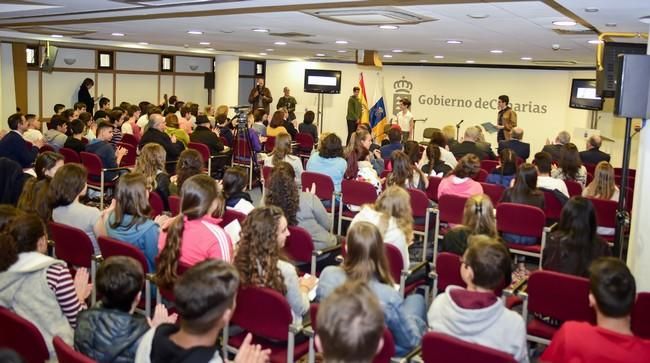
x=554 y=150
x=204 y=135
x=522 y=149
x=108 y=335
x=163 y=350
x=14 y=147
x=74 y=144
x=468 y=147
x=290 y=129
x=593 y=156
x=84 y=96
x=159 y=137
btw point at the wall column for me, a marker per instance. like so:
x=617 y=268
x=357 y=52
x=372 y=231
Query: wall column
x=226 y=79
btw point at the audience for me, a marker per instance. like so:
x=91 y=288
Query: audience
x=35 y=195
x=478 y=219
x=222 y=125
x=56 y=133
x=593 y=155
x=434 y=165
x=603 y=186
x=190 y=163
x=276 y=125
x=395 y=143
x=449 y=132
x=74 y=141
x=360 y=169
x=234 y=183
x=34 y=127
x=522 y=149
x=412 y=150
x=475 y=314
x=460 y=181
x=504 y=174
x=204 y=135
x=172 y=128
x=14 y=147
x=260 y=121
x=438 y=138
x=469 y=145
x=117 y=117
x=307 y=126
x=555 y=149
x=483 y=145
x=362 y=139
x=282 y=152
x=405 y=174
x=329 y=160
x=130 y=126
x=543 y=162
x=151 y=164
x=12 y=180
x=156 y=134
x=101 y=146
x=366 y=262
x=570 y=167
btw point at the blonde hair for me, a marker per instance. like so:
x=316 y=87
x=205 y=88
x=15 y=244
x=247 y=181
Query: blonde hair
x=395 y=202
x=603 y=186
x=221 y=110
x=150 y=162
x=282 y=147
x=478 y=216
x=366 y=254
x=450 y=132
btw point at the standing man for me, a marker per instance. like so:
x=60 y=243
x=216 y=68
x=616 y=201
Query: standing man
x=354 y=112
x=260 y=96
x=404 y=119
x=289 y=102
x=506 y=119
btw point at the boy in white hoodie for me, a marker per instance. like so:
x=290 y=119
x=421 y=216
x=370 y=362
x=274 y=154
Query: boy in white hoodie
x=476 y=314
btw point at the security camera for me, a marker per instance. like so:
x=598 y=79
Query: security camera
x=555 y=46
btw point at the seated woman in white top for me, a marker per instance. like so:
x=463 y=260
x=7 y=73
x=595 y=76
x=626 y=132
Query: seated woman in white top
x=571 y=167
x=603 y=187
x=282 y=152
x=392 y=214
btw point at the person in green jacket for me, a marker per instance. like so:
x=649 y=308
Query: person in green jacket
x=354 y=112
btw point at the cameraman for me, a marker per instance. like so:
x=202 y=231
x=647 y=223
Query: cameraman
x=260 y=96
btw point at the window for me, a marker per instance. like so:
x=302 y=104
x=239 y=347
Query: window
x=166 y=63
x=104 y=59
x=31 y=52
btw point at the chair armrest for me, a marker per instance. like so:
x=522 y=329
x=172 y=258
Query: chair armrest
x=151 y=277
x=416 y=268
x=326 y=250
x=308 y=331
x=410 y=356
x=339 y=259
x=514 y=290
x=295 y=329
x=51 y=243
x=116 y=169
x=550 y=228
x=97 y=258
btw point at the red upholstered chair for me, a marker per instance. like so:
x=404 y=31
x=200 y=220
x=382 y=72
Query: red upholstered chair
x=420 y=209
x=590 y=168
x=432 y=189
x=556 y=295
x=305 y=144
x=523 y=220
x=67 y=354
x=400 y=273
x=168 y=293
x=439 y=347
x=156 y=203
x=630 y=180
x=552 y=207
x=73 y=246
x=69 y=155
x=46 y=147
x=129 y=139
x=619 y=171
x=641 y=315
x=174 y=204
x=354 y=192
x=230 y=215
x=113 y=247
x=96 y=170
x=266 y=175
x=447 y=272
x=266 y=314
x=324 y=190
x=629 y=199
x=573 y=187
x=129 y=159
x=387 y=351
x=481 y=176
x=605 y=215
x=22 y=336
x=300 y=248
x=489 y=165
x=241 y=156
x=590 y=178
x=204 y=150
x=494 y=191
x=450 y=212
x=269 y=144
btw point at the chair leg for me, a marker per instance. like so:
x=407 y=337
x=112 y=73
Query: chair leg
x=311 y=358
x=290 y=347
x=210 y=166
x=436 y=233
x=93 y=274
x=101 y=191
x=224 y=344
x=340 y=215
x=147 y=298
x=313 y=263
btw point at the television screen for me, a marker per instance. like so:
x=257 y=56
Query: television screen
x=322 y=81
x=606 y=85
x=583 y=95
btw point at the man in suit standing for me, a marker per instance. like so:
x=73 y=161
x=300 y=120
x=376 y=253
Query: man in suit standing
x=555 y=149
x=506 y=118
x=14 y=147
x=469 y=146
x=522 y=149
x=593 y=155
x=260 y=96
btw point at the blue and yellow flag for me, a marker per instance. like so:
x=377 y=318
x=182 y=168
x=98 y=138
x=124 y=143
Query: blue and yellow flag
x=378 y=111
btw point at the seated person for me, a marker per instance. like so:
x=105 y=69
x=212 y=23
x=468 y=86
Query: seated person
x=282 y=152
x=276 y=125
x=109 y=331
x=395 y=143
x=505 y=172
x=350 y=324
x=288 y=123
x=522 y=149
x=555 y=149
x=475 y=314
x=34 y=128
x=56 y=133
x=151 y=164
x=612 y=293
x=173 y=129
x=366 y=262
x=360 y=168
x=117 y=117
x=14 y=147
x=593 y=155
x=434 y=165
x=102 y=147
x=74 y=142
x=260 y=121
x=190 y=163
x=234 y=183
x=205 y=300
x=570 y=167
x=329 y=160
x=405 y=174
x=470 y=145
x=460 y=181
x=543 y=162
x=478 y=218
x=603 y=186
x=204 y=135
x=224 y=131
x=156 y=134
x=34 y=197
x=307 y=126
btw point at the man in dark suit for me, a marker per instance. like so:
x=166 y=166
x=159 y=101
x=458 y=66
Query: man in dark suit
x=203 y=135
x=593 y=155
x=156 y=133
x=522 y=149
x=469 y=146
x=14 y=147
x=555 y=149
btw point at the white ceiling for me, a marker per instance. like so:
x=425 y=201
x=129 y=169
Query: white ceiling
x=518 y=28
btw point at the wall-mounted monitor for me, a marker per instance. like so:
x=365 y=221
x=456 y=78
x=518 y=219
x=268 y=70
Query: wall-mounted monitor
x=583 y=95
x=322 y=81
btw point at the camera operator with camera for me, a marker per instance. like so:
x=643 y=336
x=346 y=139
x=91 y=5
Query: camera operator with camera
x=260 y=96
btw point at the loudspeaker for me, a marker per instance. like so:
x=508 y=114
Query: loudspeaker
x=208 y=80
x=633 y=86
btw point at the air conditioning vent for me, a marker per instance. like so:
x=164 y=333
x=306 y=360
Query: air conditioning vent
x=371 y=16
x=291 y=35
x=309 y=42
x=574 y=31
x=549 y=62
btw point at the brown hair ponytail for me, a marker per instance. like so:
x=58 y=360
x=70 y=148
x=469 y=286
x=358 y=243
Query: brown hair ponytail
x=168 y=260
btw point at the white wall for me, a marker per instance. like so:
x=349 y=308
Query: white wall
x=7 y=87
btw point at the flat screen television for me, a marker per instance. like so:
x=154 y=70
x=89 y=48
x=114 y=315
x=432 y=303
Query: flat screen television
x=583 y=95
x=322 y=81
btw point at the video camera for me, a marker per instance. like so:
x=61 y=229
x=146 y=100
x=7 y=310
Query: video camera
x=241 y=112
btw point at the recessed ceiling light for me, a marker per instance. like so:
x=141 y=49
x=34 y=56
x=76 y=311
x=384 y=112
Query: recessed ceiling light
x=195 y=32
x=469 y=61
x=143 y=43
x=204 y=43
x=611 y=25
x=478 y=16
x=280 y=43
x=388 y=27
x=645 y=19
x=117 y=34
x=269 y=49
x=496 y=51
x=439 y=56
x=591 y=10
x=388 y=56
x=397 y=51
x=210 y=49
x=423 y=60
x=342 y=51
x=262 y=53
x=526 y=58
x=56 y=36
x=320 y=54
x=595 y=41
x=564 y=23
x=454 y=42
x=261 y=30
x=341 y=42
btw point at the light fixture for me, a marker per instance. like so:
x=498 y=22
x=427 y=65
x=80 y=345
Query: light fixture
x=320 y=54
x=341 y=42
x=56 y=36
x=595 y=41
x=423 y=60
x=526 y=58
x=454 y=42
x=591 y=10
x=262 y=53
x=204 y=43
x=117 y=34
x=388 y=56
x=478 y=16
x=645 y=19
x=261 y=30
x=496 y=51
x=564 y=23
x=195 y=32
x=388 y=27
x=143 y=43
x=470 y=61
x=210 y=49
x=342 y=51
x=397 y=51
x=280 y=43
x=439 y=56
x=269 y=49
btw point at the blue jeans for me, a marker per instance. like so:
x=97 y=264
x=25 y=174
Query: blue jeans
x=522 y=240
x=414 y=310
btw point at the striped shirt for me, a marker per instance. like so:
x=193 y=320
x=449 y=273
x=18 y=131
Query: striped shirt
x=60 y=281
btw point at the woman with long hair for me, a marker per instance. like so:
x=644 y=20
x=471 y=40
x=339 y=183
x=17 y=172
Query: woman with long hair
x=34 y=197
x=260 y=263
x=434 y=165
x=360 y=140
x=392 y=214
x=366 y=261
x=524 y=190
x=571 y=167
x=505 y=172
x=194 y=234
x=478 y=218
x=440 y=139
x=282 y=152
x=603 y=186
x=460 y=181
x=302 y=209
x=189 y=163
x=276 y=125
x=405 y=174
x=234 y=186
x=151 y=164
x=360 y=169
x=574 y=244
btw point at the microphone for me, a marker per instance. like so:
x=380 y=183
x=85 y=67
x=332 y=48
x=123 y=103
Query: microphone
x=458 y=124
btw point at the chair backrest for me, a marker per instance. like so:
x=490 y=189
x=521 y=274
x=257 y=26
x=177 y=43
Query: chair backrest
x=174 y=204
x=439 y=347
x=573 y=187
x=590 y=168
x=605 y=212
x=630 y=180
x=266 y=175
x=67 y=354
x=489 y=165
x=428 y=132
x=22 y=336
x=619 y=171
x=560 y=296
x=520 y=219
x=357 y=192
x=305 y=141
x=451 y=208
x=201 y=148
x=69 y=155
x=230 y=215
x=432 y=189
x=629 y=199
x=224 y=141
x=47 y=147
x=419 y=202
x=323 y=182
x=269 y=144
x=395 y=261
x=113 y=247
x=156 y=203
x=131 y=155
x=494 y=191
x=92 y=162
x=263 y=312
x=168 y=294
x=72 y=245
x=299 y=245
x=641 y=315
x=448 y=270
x=481 y=176
x=241 y=149
x=129 y=139
x=552 y=206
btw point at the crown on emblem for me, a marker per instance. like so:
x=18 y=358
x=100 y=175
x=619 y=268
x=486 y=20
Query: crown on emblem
x=403 y=85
